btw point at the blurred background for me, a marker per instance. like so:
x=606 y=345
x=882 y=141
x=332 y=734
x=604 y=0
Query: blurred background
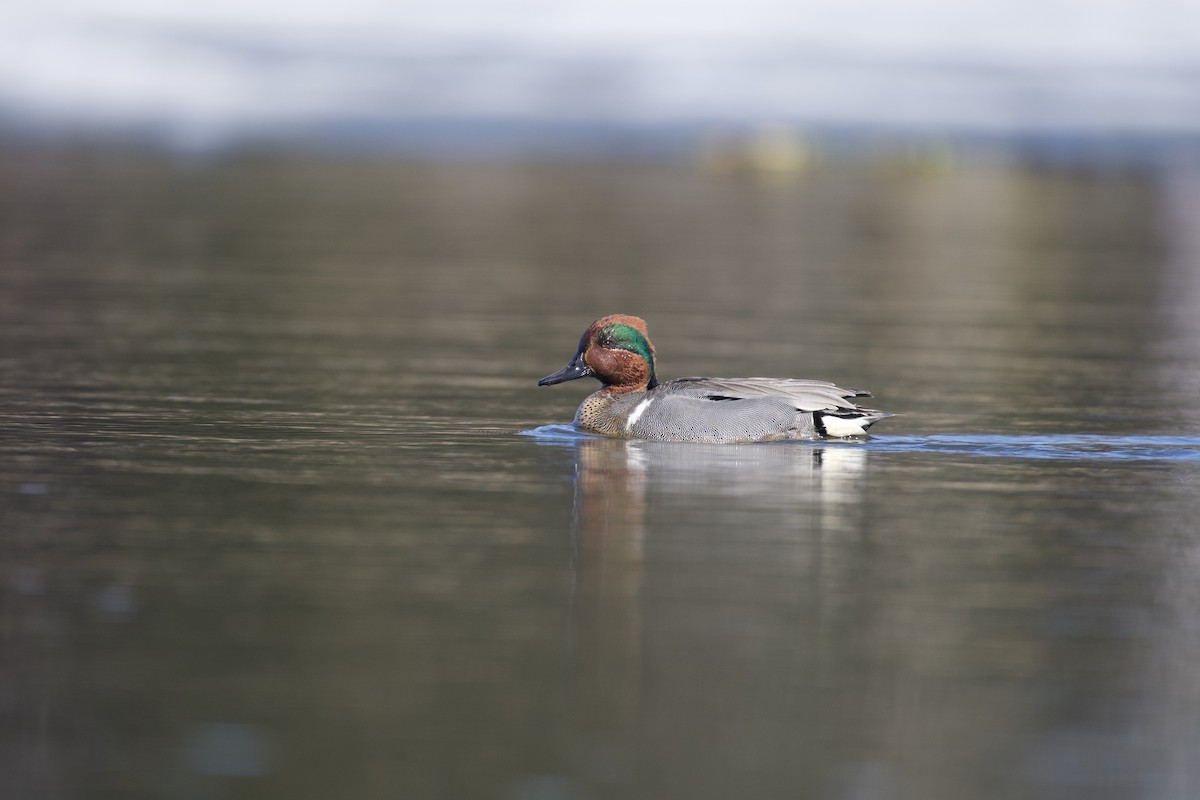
x=1067 y=79
x=284 y=514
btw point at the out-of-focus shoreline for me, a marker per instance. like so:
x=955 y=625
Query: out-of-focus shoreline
x=770 y=148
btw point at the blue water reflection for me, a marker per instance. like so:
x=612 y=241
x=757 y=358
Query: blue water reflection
x=1067 y=447
x=1073 y=447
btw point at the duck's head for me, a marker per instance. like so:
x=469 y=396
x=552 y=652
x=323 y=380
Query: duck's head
x=616 y=350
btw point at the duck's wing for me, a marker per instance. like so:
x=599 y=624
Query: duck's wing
x=805 y=394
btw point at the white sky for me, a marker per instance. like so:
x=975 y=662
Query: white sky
x=220 y=64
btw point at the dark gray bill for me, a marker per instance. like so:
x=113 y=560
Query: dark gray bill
x=576 y=369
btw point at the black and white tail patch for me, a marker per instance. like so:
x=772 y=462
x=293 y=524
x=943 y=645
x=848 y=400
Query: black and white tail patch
x=838 y=426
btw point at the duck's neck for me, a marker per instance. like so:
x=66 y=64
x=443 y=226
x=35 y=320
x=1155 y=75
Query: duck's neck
x=614 y=390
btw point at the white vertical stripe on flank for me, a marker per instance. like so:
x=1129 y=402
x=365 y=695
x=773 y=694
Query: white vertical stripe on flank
x=638 y=410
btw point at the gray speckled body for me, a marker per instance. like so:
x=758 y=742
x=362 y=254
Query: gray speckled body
x=727 y=410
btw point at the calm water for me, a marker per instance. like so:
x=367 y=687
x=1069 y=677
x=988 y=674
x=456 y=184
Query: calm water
x=283 y=514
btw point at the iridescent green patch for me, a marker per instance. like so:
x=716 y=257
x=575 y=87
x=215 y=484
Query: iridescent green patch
x=620 y=336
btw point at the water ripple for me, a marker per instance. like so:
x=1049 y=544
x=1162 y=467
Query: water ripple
x=1074 y=447
x=557 y=434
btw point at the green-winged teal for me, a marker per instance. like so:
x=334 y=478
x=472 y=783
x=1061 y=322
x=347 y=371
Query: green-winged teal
x=633 y=405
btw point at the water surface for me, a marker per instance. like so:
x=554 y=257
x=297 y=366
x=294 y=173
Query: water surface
x=284 y=514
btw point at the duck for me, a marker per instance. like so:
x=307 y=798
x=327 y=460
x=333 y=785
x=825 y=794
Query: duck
x=633 y=404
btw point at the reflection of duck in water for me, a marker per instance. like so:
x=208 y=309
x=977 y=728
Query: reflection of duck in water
x=633 y=405
x=624 y=488
x=691 y=564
